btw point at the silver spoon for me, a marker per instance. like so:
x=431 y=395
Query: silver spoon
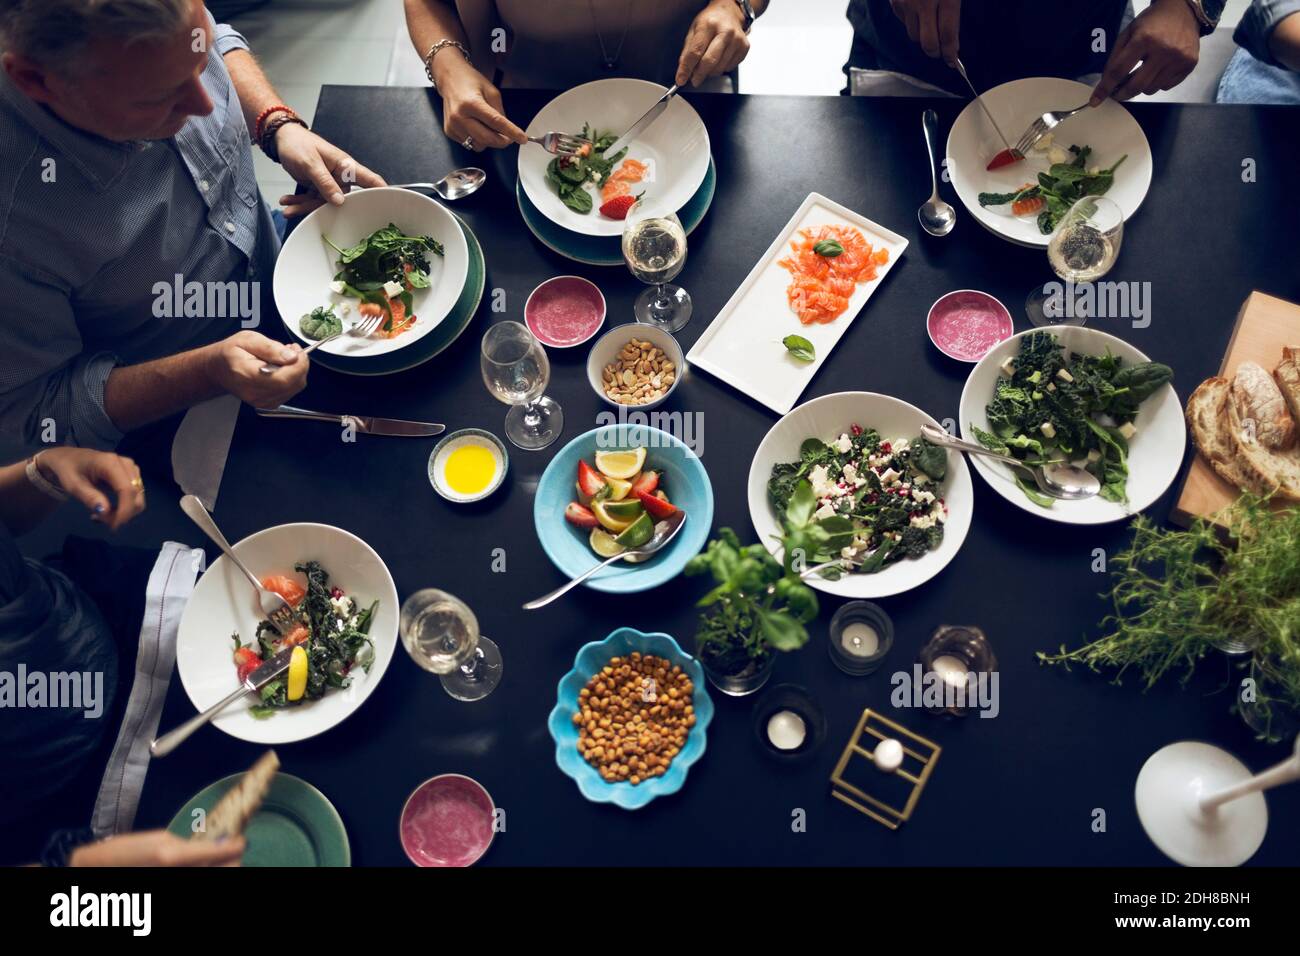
x=664 y=532
x=457 y=184
x=937 y=217
x=1057 y=480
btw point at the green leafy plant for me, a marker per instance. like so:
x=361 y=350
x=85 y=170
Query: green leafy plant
x=799 y=347
x=1060 y=187
x=1177 y=594
x=756 y=605
x=569 y=175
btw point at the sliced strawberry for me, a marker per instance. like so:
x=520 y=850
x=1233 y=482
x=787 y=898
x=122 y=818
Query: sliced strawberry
x=656 y=507
x=578 y=515
x=648 y=482
x=590 y=482
x=246 y=661
x=617 y=207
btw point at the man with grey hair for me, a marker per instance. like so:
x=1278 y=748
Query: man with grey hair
x=128 y=185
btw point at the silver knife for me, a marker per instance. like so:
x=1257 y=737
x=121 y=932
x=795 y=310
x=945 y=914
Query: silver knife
x=980 y=100
x=257 y=678
x=365 y=424
x=652 y=114
x=201 y=445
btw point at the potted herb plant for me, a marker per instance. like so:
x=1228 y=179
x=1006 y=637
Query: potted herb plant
x=757 y=606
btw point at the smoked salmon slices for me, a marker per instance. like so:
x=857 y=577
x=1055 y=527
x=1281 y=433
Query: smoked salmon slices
x=826 y=265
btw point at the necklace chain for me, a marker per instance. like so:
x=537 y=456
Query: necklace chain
x=610 y=61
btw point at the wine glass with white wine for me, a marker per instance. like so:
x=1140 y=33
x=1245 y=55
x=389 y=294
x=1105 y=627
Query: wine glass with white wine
x=654 y=248
x=441 y=634
x=516 y=372
x=1082 y=249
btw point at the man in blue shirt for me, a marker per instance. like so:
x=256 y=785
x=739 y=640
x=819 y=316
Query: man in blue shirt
x=134 y=244
x=1267 y=67
x=1002 y=40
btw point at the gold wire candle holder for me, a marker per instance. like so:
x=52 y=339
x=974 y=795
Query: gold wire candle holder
x=890 y=751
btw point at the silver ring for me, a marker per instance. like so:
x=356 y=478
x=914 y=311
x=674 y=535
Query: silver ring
x=468 y=142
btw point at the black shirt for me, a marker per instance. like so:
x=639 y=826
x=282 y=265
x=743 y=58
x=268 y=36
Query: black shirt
x=1001 y=40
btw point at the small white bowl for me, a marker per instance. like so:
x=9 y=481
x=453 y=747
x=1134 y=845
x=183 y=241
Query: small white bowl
x=448 y=445
x=606 y=350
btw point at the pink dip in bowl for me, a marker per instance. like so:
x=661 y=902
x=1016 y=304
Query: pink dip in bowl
x=564 y=311
x=447 y=821
x=967 y=323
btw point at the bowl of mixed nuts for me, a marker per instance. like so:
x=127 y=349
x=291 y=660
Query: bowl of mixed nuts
x=631 y=718
x=635 y=365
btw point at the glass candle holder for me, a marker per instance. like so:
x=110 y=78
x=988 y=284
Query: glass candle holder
x=861 y=635
x=955 y=653
x=788 y=724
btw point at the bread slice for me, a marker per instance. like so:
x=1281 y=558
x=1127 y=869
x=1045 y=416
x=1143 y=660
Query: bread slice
x=1207 y=419
x=1266 y=470
x=1256 y=398
x=1287 y=374
x=233 y=811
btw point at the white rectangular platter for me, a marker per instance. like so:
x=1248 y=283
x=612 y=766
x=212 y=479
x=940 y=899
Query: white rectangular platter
x=742 y=345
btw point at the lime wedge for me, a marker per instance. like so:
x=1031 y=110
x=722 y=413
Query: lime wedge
x=615 y=523
x=638 y=533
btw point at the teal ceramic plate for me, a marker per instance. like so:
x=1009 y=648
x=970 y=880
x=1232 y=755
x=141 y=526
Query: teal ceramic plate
x=607 y=250
x=296 y=825
x=423 y=349
x=591 y=659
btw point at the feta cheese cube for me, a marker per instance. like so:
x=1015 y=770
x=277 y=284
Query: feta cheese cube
x=1064 y=375
x=1008 y=367
x=843 y=444
x=338 y=286
x=851 y=472
x=1128 y=430
x=1056 y=154
x=1044 y=144
x=825 y=511
x=1048 y=429
x=392 y=289
x=889 y=477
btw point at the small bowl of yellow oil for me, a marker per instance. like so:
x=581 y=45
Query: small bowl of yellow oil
x=468 y=465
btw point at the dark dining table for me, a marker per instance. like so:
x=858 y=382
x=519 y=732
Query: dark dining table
x=1049 y=781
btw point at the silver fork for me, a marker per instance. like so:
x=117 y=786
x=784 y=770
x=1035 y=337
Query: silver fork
x=561 y=144
x=1042 y=126
x=364 y=326
x=277 y=609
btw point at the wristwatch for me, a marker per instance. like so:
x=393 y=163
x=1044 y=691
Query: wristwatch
x=747 y=9
x=1207 y=13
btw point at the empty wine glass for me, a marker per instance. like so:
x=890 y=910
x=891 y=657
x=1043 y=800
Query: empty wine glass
x=654 y=247
x=441 y=635
x=1083 y=248
x=516 y=371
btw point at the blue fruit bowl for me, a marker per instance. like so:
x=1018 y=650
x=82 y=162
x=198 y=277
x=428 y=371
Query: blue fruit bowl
x=591 y=658
x=684 y=480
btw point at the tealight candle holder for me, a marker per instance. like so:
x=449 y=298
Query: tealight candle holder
x=788 y=723
x=861 y=634
x=953 y=654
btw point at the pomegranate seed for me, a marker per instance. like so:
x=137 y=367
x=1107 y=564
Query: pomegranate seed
x=336 y=592
x=856 y=430
x=886 y=447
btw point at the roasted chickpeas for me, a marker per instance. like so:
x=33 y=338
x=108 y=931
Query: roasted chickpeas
x=634 y=716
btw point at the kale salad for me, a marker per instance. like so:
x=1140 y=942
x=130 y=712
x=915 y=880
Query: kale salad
x=569 y=175
x=1050 y=405
x=331 y=630
x=874 y=502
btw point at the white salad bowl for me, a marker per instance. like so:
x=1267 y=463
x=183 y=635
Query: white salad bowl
x=675 y=146
x=223 y=604
x=827 y=418
x=1109 y=129
x=1155 y=452
x=307 y=266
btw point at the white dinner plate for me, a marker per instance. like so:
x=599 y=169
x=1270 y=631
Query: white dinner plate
x=742 y=345
x=1109 y=129
x=307 y=266
x=827 y=418
x=676 y=147
x=1155 y=453
x=223 y=603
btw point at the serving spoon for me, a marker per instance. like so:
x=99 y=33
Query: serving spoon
x=457 y=184
x=664 y=532
x=1061 y=480
x=936 y=216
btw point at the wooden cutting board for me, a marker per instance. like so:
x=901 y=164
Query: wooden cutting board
x=1264 y=325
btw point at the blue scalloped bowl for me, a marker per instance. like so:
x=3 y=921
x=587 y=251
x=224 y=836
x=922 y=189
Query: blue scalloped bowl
x=591 y=658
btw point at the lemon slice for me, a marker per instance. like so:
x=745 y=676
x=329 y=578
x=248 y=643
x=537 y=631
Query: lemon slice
x=638 y=532
x=618 y=488
x=614 y=522
x=604 y=544
x=620 y=464
x=297 y=673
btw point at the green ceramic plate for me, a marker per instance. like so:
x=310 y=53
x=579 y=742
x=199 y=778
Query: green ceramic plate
x=426 y=347
x=606 y=250
x=296 y=825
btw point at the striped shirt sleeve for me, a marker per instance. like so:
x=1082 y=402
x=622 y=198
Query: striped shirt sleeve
x=226 y=38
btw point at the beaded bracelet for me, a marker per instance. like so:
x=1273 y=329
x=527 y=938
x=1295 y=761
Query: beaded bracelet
x=262 y=117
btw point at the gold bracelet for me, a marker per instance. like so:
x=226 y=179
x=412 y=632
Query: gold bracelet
x=433 y=51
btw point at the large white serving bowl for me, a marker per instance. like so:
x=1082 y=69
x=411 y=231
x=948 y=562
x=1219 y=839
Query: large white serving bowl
x=307 y=265
x=223 y=604
x=1109 y=129
x=676 y=146
x=827 y=418
x=1155 y=453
